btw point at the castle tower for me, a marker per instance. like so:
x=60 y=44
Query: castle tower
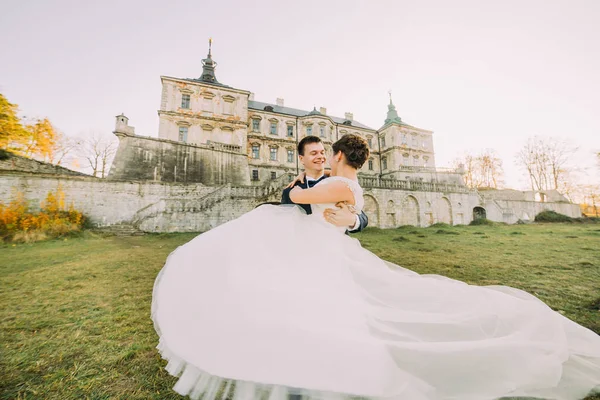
x=208 y=66
x=122 y=125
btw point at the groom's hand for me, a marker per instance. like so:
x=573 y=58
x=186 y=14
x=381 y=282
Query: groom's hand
x=343 y=216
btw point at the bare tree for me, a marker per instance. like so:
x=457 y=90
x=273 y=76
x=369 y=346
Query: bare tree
x=545 y=161
x=64 y=149
x=98 y=152
x=483 y=170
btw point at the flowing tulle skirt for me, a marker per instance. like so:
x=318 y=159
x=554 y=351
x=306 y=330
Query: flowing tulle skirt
x=277 y=302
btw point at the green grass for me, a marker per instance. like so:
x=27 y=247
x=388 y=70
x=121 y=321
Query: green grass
x=75 y=316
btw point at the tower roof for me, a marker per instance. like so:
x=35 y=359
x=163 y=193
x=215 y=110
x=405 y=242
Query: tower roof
x=208 y=67
x=392 y=114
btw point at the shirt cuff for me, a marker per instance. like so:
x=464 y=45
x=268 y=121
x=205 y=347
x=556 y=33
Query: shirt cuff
x=356 y=224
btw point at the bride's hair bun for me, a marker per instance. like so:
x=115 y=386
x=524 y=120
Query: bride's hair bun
x=354 y=148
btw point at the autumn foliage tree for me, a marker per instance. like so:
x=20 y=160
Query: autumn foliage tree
x=12 y=131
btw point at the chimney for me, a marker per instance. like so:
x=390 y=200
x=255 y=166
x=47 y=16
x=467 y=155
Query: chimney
x=279 y=102
x=251 y=97
x=323 y=110
x=349 y=116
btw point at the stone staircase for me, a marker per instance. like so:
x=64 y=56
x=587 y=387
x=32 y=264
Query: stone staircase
x=120 y=229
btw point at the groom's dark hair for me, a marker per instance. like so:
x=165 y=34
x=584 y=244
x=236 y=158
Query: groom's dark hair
x=306 y=140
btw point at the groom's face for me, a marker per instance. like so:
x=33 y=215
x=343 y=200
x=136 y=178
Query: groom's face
x=314 y=157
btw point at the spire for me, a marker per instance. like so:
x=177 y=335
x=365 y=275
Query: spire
x=208 y=66
x=392 y=114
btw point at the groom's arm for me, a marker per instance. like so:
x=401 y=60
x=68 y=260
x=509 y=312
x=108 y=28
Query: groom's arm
x=362 y=223
x=344 y=216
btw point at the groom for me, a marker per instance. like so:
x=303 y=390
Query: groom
x=311 y=154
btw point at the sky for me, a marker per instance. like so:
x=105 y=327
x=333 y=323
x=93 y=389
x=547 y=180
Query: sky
x=481 y=74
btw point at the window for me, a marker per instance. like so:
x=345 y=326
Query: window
x=273 y=127
x=228 y=108
x=255 y=151
x=256 y=125
x=425 y=162
x=384 y=162
x=383 y=141
x=254 y=174
x=370 y=165
x=185 y=101
x=273 y=175
x=273 y=153
x=290 y=130
x=404 y=138
x=290 y=154
x=415 y=142
x=207 y=104
x=331 y=133
x=370 y=141
x=322 y=131
x=309 y=130
x=183 y=133
x=405 y=159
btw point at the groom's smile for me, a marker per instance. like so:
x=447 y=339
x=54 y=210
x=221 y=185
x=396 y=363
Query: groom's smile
x=314 y=158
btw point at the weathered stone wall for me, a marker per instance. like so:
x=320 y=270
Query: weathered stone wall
x=510 y=211
x=17 y=163
x=104 y=202
x=178 y=207
x=151 y=159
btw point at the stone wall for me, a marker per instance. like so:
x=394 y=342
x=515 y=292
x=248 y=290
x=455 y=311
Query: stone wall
x=151 y=159
x=17 y=163
x=193 y=207
x=104 y=202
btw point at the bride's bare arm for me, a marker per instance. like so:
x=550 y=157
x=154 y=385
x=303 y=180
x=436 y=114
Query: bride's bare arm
x=331 y=193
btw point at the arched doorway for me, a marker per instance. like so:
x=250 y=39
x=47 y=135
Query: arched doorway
x=443 y=210
x=409 y=213
x=372 y=210
x=479 y=213
x=390 y=215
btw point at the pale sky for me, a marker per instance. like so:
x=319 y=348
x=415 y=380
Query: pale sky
x=480 y=74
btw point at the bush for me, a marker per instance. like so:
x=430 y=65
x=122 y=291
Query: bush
x=482 y=221
x=4 y=154
x=440 y=225
x=552 y=216
x=53 y=220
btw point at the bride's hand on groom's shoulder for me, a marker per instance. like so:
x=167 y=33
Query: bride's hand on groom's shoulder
x=299 y=178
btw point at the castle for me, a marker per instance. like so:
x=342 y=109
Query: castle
x=220 y=153
x=253 y=142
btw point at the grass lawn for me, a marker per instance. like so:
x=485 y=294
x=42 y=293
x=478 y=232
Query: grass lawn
x=75 y=320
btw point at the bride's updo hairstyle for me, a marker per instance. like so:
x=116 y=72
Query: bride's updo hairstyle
x=354 y=148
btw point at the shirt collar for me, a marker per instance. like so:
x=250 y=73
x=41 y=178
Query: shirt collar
x=311 y=179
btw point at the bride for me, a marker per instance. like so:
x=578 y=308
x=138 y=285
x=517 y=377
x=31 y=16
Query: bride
x=278 y=303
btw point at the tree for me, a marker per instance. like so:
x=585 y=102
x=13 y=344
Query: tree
x=98 y=152
x=590 y=200
x=545 y=161
x=37 y=139
x=42 y=140
x=481 y=171
x=12 y=131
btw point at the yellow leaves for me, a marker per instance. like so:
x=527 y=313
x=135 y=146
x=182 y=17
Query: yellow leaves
x=53 y=218
x=11 y=129
x=42 y=139
x=38 y=138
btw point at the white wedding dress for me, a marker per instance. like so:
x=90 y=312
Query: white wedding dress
x=277 y=302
